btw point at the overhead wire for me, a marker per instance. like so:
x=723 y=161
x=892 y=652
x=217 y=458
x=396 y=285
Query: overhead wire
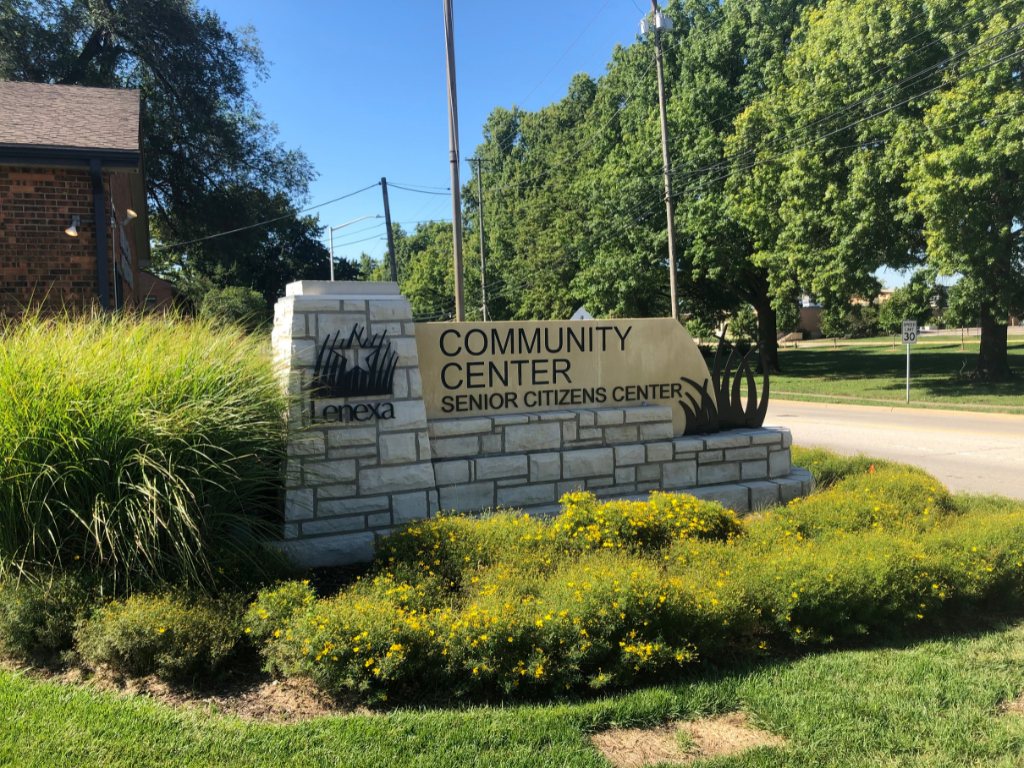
x=163 y=247
x=392 y=185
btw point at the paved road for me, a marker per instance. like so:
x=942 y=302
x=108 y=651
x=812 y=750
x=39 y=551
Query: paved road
x=976 y=452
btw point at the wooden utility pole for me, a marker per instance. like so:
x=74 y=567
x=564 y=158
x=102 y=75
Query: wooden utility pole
x=670 y=223
x=391 y=236
x=483 y=260
x=453 y=151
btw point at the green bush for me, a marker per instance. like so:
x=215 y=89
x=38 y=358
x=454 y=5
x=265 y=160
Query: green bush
x=236 y=305
x=891 y=498
x=504 y=602
x=38 y=617
x=274 y=608
x=829 y=468
x=639 y=526
x=610 y=593
x=144 y=451
x=437 y=554
x=173 y=637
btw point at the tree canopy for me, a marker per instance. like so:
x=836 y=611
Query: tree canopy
x=210 y=157
x=812 y=142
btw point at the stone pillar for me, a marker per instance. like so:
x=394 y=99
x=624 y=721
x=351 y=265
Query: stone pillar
x=359 y=460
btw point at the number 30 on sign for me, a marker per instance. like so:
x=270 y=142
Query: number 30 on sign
x=910 y=331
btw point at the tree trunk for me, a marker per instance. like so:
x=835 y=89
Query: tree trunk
x=993 y=362
x=767 y=336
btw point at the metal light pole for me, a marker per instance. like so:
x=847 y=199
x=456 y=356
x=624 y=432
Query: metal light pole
x=453 y=152
x=658 y=22
x=332 y=230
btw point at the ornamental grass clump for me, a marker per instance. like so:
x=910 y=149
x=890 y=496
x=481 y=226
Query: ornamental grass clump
x=144 y=450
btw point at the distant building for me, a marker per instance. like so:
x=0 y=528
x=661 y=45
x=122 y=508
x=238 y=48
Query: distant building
x=73 y=226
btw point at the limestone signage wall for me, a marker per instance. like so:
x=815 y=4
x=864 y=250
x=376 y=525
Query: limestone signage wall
x=359 y=460
x=392 y=421
x=476 y=369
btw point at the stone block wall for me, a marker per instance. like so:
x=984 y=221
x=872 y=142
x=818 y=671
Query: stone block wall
x=530 y=460
x=353 y=481
x=350 y=482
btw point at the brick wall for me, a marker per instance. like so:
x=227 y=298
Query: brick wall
x=39 y=264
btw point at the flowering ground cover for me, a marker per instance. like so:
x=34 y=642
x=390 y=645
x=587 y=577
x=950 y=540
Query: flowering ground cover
x=943 y=703
x=611 y=594
x=846 y=623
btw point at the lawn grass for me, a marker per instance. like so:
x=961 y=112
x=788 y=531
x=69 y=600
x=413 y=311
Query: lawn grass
x=873 y=372
x=936 y=703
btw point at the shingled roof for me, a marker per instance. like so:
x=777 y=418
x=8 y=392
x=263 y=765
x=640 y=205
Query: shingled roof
x=69 y=121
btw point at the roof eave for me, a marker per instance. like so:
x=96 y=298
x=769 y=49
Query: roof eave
x=27 y=154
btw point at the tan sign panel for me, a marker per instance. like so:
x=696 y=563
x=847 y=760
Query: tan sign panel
x=473 y=369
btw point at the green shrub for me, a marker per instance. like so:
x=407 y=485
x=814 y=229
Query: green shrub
x=38 y=616
x=892 y=498
x=505 y=602
x=438 y=554
x=144 y=451
x=236 y=305
x=610 y=593
x=829 y=468
x=274 y=607
x=173 y=637
x=639 y=526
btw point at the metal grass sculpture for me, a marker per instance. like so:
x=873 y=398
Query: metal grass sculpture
x=334 y=377
x=727 y=409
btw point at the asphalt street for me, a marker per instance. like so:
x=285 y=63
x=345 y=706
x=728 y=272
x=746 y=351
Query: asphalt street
x=974 y=452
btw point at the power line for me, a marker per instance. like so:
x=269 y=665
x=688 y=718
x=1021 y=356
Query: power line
x=572 y=45
x=419 y=186
x=378 y=225
x=354 y=242
x=160 y=247
x=417 y=191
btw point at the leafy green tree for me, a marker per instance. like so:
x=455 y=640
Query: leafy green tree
x=205 y=143
x=237 y=305
x=265 y=258
x=892 y=136
x=914 y=301
x=967 y=180
x=535 y=231
x=426 y=272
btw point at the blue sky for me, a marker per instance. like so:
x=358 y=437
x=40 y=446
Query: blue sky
x=360 y=87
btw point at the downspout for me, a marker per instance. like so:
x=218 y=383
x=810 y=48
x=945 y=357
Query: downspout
x=99 y=217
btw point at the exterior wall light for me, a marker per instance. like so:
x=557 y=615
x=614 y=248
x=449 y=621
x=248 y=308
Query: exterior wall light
x=129 y=216
x=76 y=222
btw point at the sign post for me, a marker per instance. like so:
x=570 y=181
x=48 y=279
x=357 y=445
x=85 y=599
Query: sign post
x=909 y=337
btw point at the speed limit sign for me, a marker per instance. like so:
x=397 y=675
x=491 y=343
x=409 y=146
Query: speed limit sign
x=909 y=337
x=910 y=331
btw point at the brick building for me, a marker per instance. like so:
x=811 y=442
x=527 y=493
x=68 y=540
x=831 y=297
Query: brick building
x=73 y=225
